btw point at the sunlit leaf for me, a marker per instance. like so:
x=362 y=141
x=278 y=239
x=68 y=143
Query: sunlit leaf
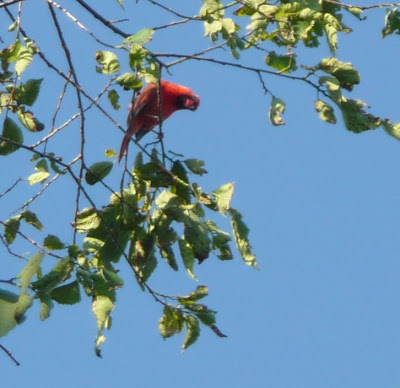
x=187 y=256
x=171 y=322
x=200 y=293
x=223 y=196
x=30 y=122
x=30 y=270
x=87 y=220
x=326 y=112
x=275 y=111
x=241 y=233
x=38 y=177
x=129 y=81
x=347 y=75
x=108 y=61
x=23 y=60
x=141 y=37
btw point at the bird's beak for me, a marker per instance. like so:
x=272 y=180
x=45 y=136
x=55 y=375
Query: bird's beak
x=193 y=102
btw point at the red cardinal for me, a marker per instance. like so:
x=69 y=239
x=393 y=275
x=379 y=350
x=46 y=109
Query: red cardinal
x=144 y=115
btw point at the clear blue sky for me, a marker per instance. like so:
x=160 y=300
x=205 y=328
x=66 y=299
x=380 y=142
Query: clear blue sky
x=322 y=204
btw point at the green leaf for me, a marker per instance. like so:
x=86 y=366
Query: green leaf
x=28 y=120
x=112 y=278
x=11 y=228
x=108 y=61
x=391 y=129
x=92 y=245
x=100 y=286
x=32 y=219
x=326 y=112
x=112 y=233
x=181 y=184
x=355 y=118
x=200 y=293
x=53 y=243
x=347 y=75
x=129 y=81
x=46 y=305
x=282 y=63
x=113 y=97
x=8 y=302
x=30 y=270
x=331 y=35
x=193 y=331
x=38 y=177
x=168 y=255
x=102 y=308
x=241 y=233
x=67 y=294
x=60 y=272
x=206 y=317
x=166 y=200
x=220 y=241
x=277 y=108
x=171 y=322
x=357 y=12
x=141 y=37
x=12 y=132
x=28 y=92
x=97 y=172
x=87 y=220
x=23 y=60
x=187 y=256
x=392 y=23
x=195 y=166
x=197 y=235
x=23 y=304
x=223 y=196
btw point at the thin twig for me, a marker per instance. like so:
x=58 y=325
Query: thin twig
x=10 y=2
x=32 y=241
x=9 y=354
x=11 y=187
x=79 y=24
x=9 y=249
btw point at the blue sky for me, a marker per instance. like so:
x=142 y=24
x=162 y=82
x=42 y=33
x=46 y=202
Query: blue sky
x=321 y=203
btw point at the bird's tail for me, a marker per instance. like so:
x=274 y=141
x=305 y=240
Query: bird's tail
x=124 y=146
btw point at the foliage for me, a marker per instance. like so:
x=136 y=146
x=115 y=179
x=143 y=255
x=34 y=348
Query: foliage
x=157 y=210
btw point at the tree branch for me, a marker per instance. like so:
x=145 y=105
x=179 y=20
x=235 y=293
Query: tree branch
x=9 y=354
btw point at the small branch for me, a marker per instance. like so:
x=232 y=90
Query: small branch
x=9 y=354
x=9 y=249
x=79 y=24
x=10 y=2
x=11 y=187
x=10 y=281
x=363 y=7
x=99 y=17
x=33 y=242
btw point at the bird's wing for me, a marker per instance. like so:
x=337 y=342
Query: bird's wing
x=148 y=95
